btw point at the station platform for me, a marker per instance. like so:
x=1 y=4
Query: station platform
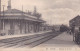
x=20 y=35
x=63 y=40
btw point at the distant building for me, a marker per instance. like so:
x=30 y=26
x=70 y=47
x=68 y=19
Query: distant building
x=57 y=27
x=13 y=21
x=46 y=27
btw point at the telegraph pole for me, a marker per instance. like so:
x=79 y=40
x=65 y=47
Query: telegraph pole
x=3 y=10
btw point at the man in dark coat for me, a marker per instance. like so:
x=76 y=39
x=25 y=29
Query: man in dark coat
x=77 y=37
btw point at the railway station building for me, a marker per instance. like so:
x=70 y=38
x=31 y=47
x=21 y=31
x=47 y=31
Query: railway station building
x=14 y=21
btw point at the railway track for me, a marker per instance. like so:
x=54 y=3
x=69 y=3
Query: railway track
x=19 y=38
x=28 y=41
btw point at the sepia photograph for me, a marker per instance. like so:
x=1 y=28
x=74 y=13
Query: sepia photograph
x=39 y=25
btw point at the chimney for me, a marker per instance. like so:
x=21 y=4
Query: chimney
x=9 y=5
x=0 y=7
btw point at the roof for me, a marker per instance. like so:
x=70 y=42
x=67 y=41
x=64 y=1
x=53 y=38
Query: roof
x=17 y=14
x=75 y=18
x=12 y=11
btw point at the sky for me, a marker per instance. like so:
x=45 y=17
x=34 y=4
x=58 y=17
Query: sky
x=53 y=11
